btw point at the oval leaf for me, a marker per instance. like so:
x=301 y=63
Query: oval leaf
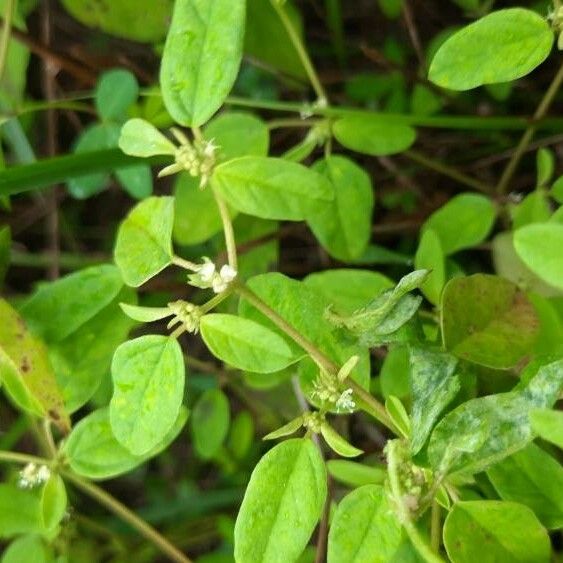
x=148 y=378
x=140 y=138
x=201 y=57
x=282 y=504
x=53 y=502
x=210 y=422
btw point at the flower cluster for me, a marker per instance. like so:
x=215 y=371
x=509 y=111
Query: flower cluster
x=207 y=276
x=197 y=158
x=33 y=475
x=186 y=314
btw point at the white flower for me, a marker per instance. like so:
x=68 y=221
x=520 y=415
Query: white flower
x=345 y=401
x=207 y=271
x=32 y=476
x=221 y=281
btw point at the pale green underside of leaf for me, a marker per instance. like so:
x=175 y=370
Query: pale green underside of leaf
x=500 y=47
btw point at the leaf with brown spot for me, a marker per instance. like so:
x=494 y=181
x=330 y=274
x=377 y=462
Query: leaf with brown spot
x=26 y=372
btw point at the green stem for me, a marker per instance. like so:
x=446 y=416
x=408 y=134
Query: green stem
x=120 y=510
x=230 y=242
x=528 y=135
x=214 y=301
x=449 y=171
x=24 y=459
x=435 y=527
x=8 y=16
x=369 y=403
x=419 y=543
x=302 y=52
x=186 y=264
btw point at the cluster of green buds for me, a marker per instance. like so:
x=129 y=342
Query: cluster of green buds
x=186 y=314
x=197 y=158
x=33 y=475
x=329 y=388
x=555 y=16
x=207 y=276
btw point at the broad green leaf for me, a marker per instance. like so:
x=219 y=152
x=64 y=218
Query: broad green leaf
x=140 y=138
x=394 y=376
x=138 y=20
x=144 y=241
x=433 y=387
x=337 y=443
x=355 y=474
x=146 y=314
x=116 y=90
x=210 y=422
x=93 y=451
x=20 y=511
x=548 y=425
x=241 y=435
x=378 y=136
x=148 y=377
x=201 y=57
x=483 y=431
x=488 y=320
x=430 y=256
x=282 y=504
x=59 y=308
x=267 y=40
x=82 y=360
x=25 y=370
x=304 y=309
x=539 y=246
x=534 y=478
x=136 y=180
x=508 y=531
x=534 y=208
x=545 y=164
x=348 y=289
x=238 y=134
x=245 y=344
x=343 y=226
x=53 y=502
x=500 y=47
x=465 y=221
x=271 y=188
x=364 y=528
x=5 y=245
x=26 y=549
x=557 y=190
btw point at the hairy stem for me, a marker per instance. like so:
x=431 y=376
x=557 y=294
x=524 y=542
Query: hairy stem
x=366 y=401
x=120 y=510
x=24 y=459
x=230 y=242
x=186 y=264
x=302 y=52
x=528 y=135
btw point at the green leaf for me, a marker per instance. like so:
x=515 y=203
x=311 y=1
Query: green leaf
x=26 y=549
x=282 y=504
x=25 y=369
x=82 y=360
x=343 y=226
x=267 y=39
x=394 y=376
x=539 y=246
x=534 y=478
x=136 y=180
x=488 y=320
x=430 y=256
x=337 y=443
x=201 y=57
x=483 y=431
x=378 y=136
x=140 y=138
x=557 y=190
x=548 y=425
x=144 y=241
x=545 y=163
x=94 y=452
x=534 y=208
x=138 y=20
x=355 y=474
x=5 y=246
x=245 y=344
x=241 y=435
x=59 y=308
x=364 y=528
x=510 y=532
x=348 y=289
x=502 y=46
x=210 y=423
x=433 y=387
x=238 y=134
x=116 y=90
x=271 y=188
x=53 y=502
x=399 y=416
x=148 y=376
x=465 y=221
x=146 y=314
x=20 y=511
x=286 y=430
